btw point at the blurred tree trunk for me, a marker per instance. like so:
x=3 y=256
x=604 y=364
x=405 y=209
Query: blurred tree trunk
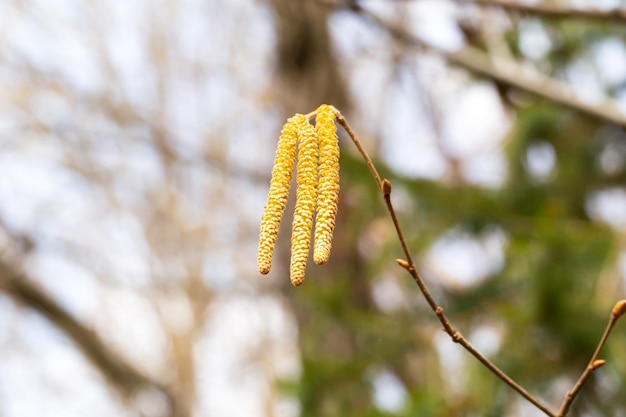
x=306 y=73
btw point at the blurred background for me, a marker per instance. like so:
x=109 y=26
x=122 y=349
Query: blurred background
x=136 y=143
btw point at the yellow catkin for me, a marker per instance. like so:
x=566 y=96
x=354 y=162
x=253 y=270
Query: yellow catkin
x=278 y=192
x=306 y=179
x=328 y=187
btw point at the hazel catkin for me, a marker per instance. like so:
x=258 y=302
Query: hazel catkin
x=278 y=192
x=328 y=186
x=306 y=198
x=316 y=150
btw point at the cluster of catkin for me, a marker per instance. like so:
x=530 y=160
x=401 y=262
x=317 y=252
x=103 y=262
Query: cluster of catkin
x=317 y=192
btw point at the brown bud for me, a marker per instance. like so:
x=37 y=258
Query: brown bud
x=404 y=264
x=598 y=363
x=386 y=187
x=619 y=309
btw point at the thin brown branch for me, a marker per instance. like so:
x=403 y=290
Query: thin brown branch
x=342 y=121
x=510 y=73
x=594 y=362
x=455 y=335
x=409 y=265
x=554 y=10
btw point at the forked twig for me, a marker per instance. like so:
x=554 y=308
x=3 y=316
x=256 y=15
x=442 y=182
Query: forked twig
x=594 y=362
x=385 y=187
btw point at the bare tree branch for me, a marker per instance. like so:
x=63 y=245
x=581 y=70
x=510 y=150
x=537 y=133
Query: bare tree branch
x=554 y=10
x=510 y=73
x=513 y=74
x=124 y=377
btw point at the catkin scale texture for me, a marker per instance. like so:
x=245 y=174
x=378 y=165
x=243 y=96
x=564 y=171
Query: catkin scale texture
x=306 y=199
x=278 y=192
x=328 y=187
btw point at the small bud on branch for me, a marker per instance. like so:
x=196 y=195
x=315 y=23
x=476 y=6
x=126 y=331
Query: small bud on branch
x=404 y=264
x=386 y=187
x=619 y=309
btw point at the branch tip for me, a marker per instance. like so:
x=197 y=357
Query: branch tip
x=619 y=309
